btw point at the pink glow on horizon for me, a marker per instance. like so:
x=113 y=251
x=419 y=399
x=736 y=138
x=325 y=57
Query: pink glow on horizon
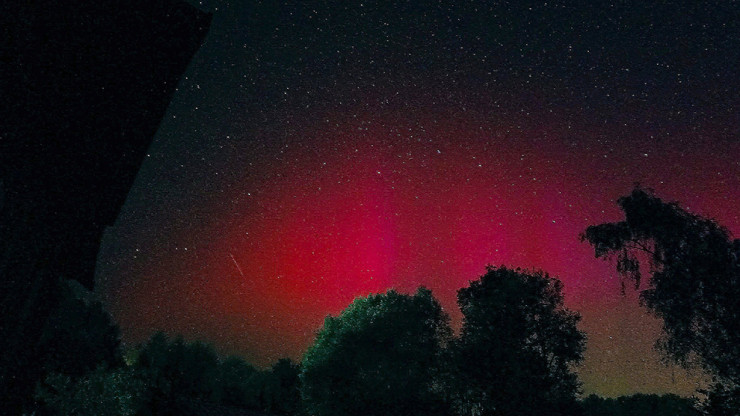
x=371 y=209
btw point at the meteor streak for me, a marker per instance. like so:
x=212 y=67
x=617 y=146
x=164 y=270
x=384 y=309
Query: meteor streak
x=237 y=264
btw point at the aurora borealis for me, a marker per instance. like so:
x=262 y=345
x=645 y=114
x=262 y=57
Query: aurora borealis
x=315 y=154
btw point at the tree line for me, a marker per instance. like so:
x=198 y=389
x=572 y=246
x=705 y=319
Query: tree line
x=395 y=354
x=172 y=377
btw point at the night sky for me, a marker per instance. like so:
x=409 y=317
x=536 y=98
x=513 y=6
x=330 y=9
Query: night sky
x=315 y=153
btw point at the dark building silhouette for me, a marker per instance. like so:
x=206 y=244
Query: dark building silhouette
x=83 y=87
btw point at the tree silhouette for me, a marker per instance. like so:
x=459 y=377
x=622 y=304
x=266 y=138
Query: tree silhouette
x=639 y=405
x=177 y=375
x=282 y=390
x=378 y=357
x=113 y=392
x=722 y=400
x=517 y=346
x=79 y=335
x=181 y=378
x=237 y=384
x=72 y=337
x=694 y=284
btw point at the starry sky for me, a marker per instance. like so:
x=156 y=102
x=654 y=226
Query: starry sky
x=318 y=152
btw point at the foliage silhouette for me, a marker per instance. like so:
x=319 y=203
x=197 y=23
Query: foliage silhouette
x=282 y=390
x=72 y=337
x=177 y=374
x=517 y=347
x=380 y=356
x=721 y=400
x=237 y=386
x=639 y=405
x=694 y=283
x=79 y=335
x=181 y=378
x=102 y=392
x=75 y=337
